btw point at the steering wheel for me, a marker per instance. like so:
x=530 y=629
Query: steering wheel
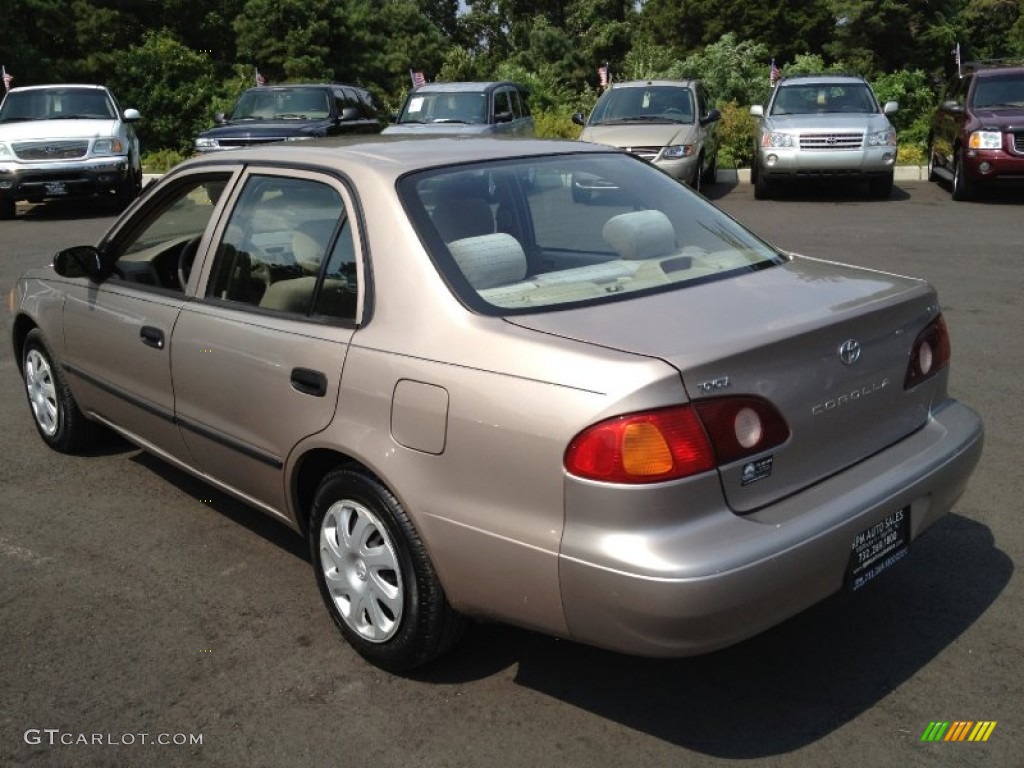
x=186 y=256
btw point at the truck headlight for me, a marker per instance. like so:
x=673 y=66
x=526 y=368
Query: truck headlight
x=777 y=139
x=111 y=146
x=5 y=152
x=676 y=151
x=207 y=144
x=986 y=140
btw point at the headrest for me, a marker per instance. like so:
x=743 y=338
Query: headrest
x=490 y=260
x=307 y=251
x=640 y=235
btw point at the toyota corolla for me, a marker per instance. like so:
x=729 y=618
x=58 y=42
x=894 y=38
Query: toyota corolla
x=626 y=421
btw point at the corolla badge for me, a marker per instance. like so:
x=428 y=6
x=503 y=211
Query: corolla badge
x=849 y=352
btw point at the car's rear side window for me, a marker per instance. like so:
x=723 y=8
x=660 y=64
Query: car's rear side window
x=287 y=248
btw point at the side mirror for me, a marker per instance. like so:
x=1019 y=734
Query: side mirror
x=712 y=116
x=219 y=118
x=79 y=261
x=131 y=115
x=503 y=117
x=579 y=118
x=757 y=110
x=953 y=106
x=348 y=114
x=891 y=107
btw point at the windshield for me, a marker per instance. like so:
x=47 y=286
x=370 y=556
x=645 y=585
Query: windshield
x=653 y=103
x=57 y=104
x=993 y=92
x=554 y=231
x=462 y=107
x=283 y=104
x=821 y=98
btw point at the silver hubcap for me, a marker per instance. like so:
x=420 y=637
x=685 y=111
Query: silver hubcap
x=42 y=392
x=361 y=570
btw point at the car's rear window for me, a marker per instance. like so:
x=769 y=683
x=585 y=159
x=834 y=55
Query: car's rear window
x=556 y=231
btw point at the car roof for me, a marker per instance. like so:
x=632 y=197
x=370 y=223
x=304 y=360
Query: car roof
x=688 y=83
x=994 y=70
x=824 y=78
x=390 y=157
x=60 y=85
x=465 y=86
x=284 y=86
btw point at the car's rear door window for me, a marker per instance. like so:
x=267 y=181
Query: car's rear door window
x=287 y=248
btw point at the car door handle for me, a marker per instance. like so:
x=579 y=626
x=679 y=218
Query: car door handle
x=309 y=382
x=152 y=337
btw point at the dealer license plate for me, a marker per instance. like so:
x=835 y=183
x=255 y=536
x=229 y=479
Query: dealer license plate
x=878 y=548
x=56 y=188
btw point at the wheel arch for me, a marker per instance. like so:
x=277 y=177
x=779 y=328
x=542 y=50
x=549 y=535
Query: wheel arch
x=20 y=329
x=310 y=469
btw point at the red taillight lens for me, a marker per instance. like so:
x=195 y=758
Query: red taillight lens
x=642 y=448
x=930 y=353
x=672 y=443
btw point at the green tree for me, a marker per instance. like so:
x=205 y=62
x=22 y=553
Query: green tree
x=171 y=85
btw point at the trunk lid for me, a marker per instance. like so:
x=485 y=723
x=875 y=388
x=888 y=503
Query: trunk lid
x=777 y=334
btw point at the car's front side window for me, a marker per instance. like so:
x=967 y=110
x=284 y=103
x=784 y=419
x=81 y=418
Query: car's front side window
x=287 y=248
x=159 y=247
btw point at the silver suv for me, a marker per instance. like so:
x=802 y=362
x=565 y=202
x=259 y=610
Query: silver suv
x=67 y=141
x=824 y=127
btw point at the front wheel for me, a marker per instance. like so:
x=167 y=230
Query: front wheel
x=375 y=576
x=963 y=187
x=762 y=187
x=56 y=414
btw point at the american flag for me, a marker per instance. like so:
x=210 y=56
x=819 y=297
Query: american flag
x=775 y=74
x=417 y=79
x=8 y=79
x=956 y=57
x=602 y=75
x=260 y=79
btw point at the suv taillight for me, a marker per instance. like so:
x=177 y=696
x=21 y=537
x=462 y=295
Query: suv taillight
x=930 y=353
x=672 y=443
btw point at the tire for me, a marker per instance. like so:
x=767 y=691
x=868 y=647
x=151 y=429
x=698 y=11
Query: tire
x=762 y=187
x=127 y=190
x=698 y=177
x=932 y=176
x=880 y=187
x=963 y=188
x=711 y=172
x=8 y=208
x=375 y=576
x=57 y=417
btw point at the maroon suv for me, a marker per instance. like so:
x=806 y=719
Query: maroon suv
x=977 y=135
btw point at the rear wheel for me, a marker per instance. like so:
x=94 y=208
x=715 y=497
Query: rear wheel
x=56 y=414
x=963 y=188
x=8 y=209
x=931 y=164
x=375 y=576
x=880 y=187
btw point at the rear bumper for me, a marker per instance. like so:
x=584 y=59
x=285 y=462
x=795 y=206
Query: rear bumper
x=58 y=180
x=677 y=581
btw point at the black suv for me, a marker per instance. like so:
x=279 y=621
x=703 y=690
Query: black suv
x=292 y=112
x=977 y=133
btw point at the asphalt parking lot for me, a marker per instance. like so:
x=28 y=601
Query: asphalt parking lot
x=140 y=606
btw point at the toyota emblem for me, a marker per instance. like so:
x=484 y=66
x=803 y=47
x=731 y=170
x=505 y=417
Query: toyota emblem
x=849 y=352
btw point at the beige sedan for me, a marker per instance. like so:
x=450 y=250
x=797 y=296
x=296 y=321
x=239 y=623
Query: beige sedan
x=626 y=421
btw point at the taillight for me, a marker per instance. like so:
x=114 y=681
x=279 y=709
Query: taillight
x=929 y=355
x=672 y=443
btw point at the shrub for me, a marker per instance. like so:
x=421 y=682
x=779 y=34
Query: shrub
x=736 y=132
x=161 y=160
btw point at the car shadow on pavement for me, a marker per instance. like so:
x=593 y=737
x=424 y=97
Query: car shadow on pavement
x=779 y=691
x=66 y=210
